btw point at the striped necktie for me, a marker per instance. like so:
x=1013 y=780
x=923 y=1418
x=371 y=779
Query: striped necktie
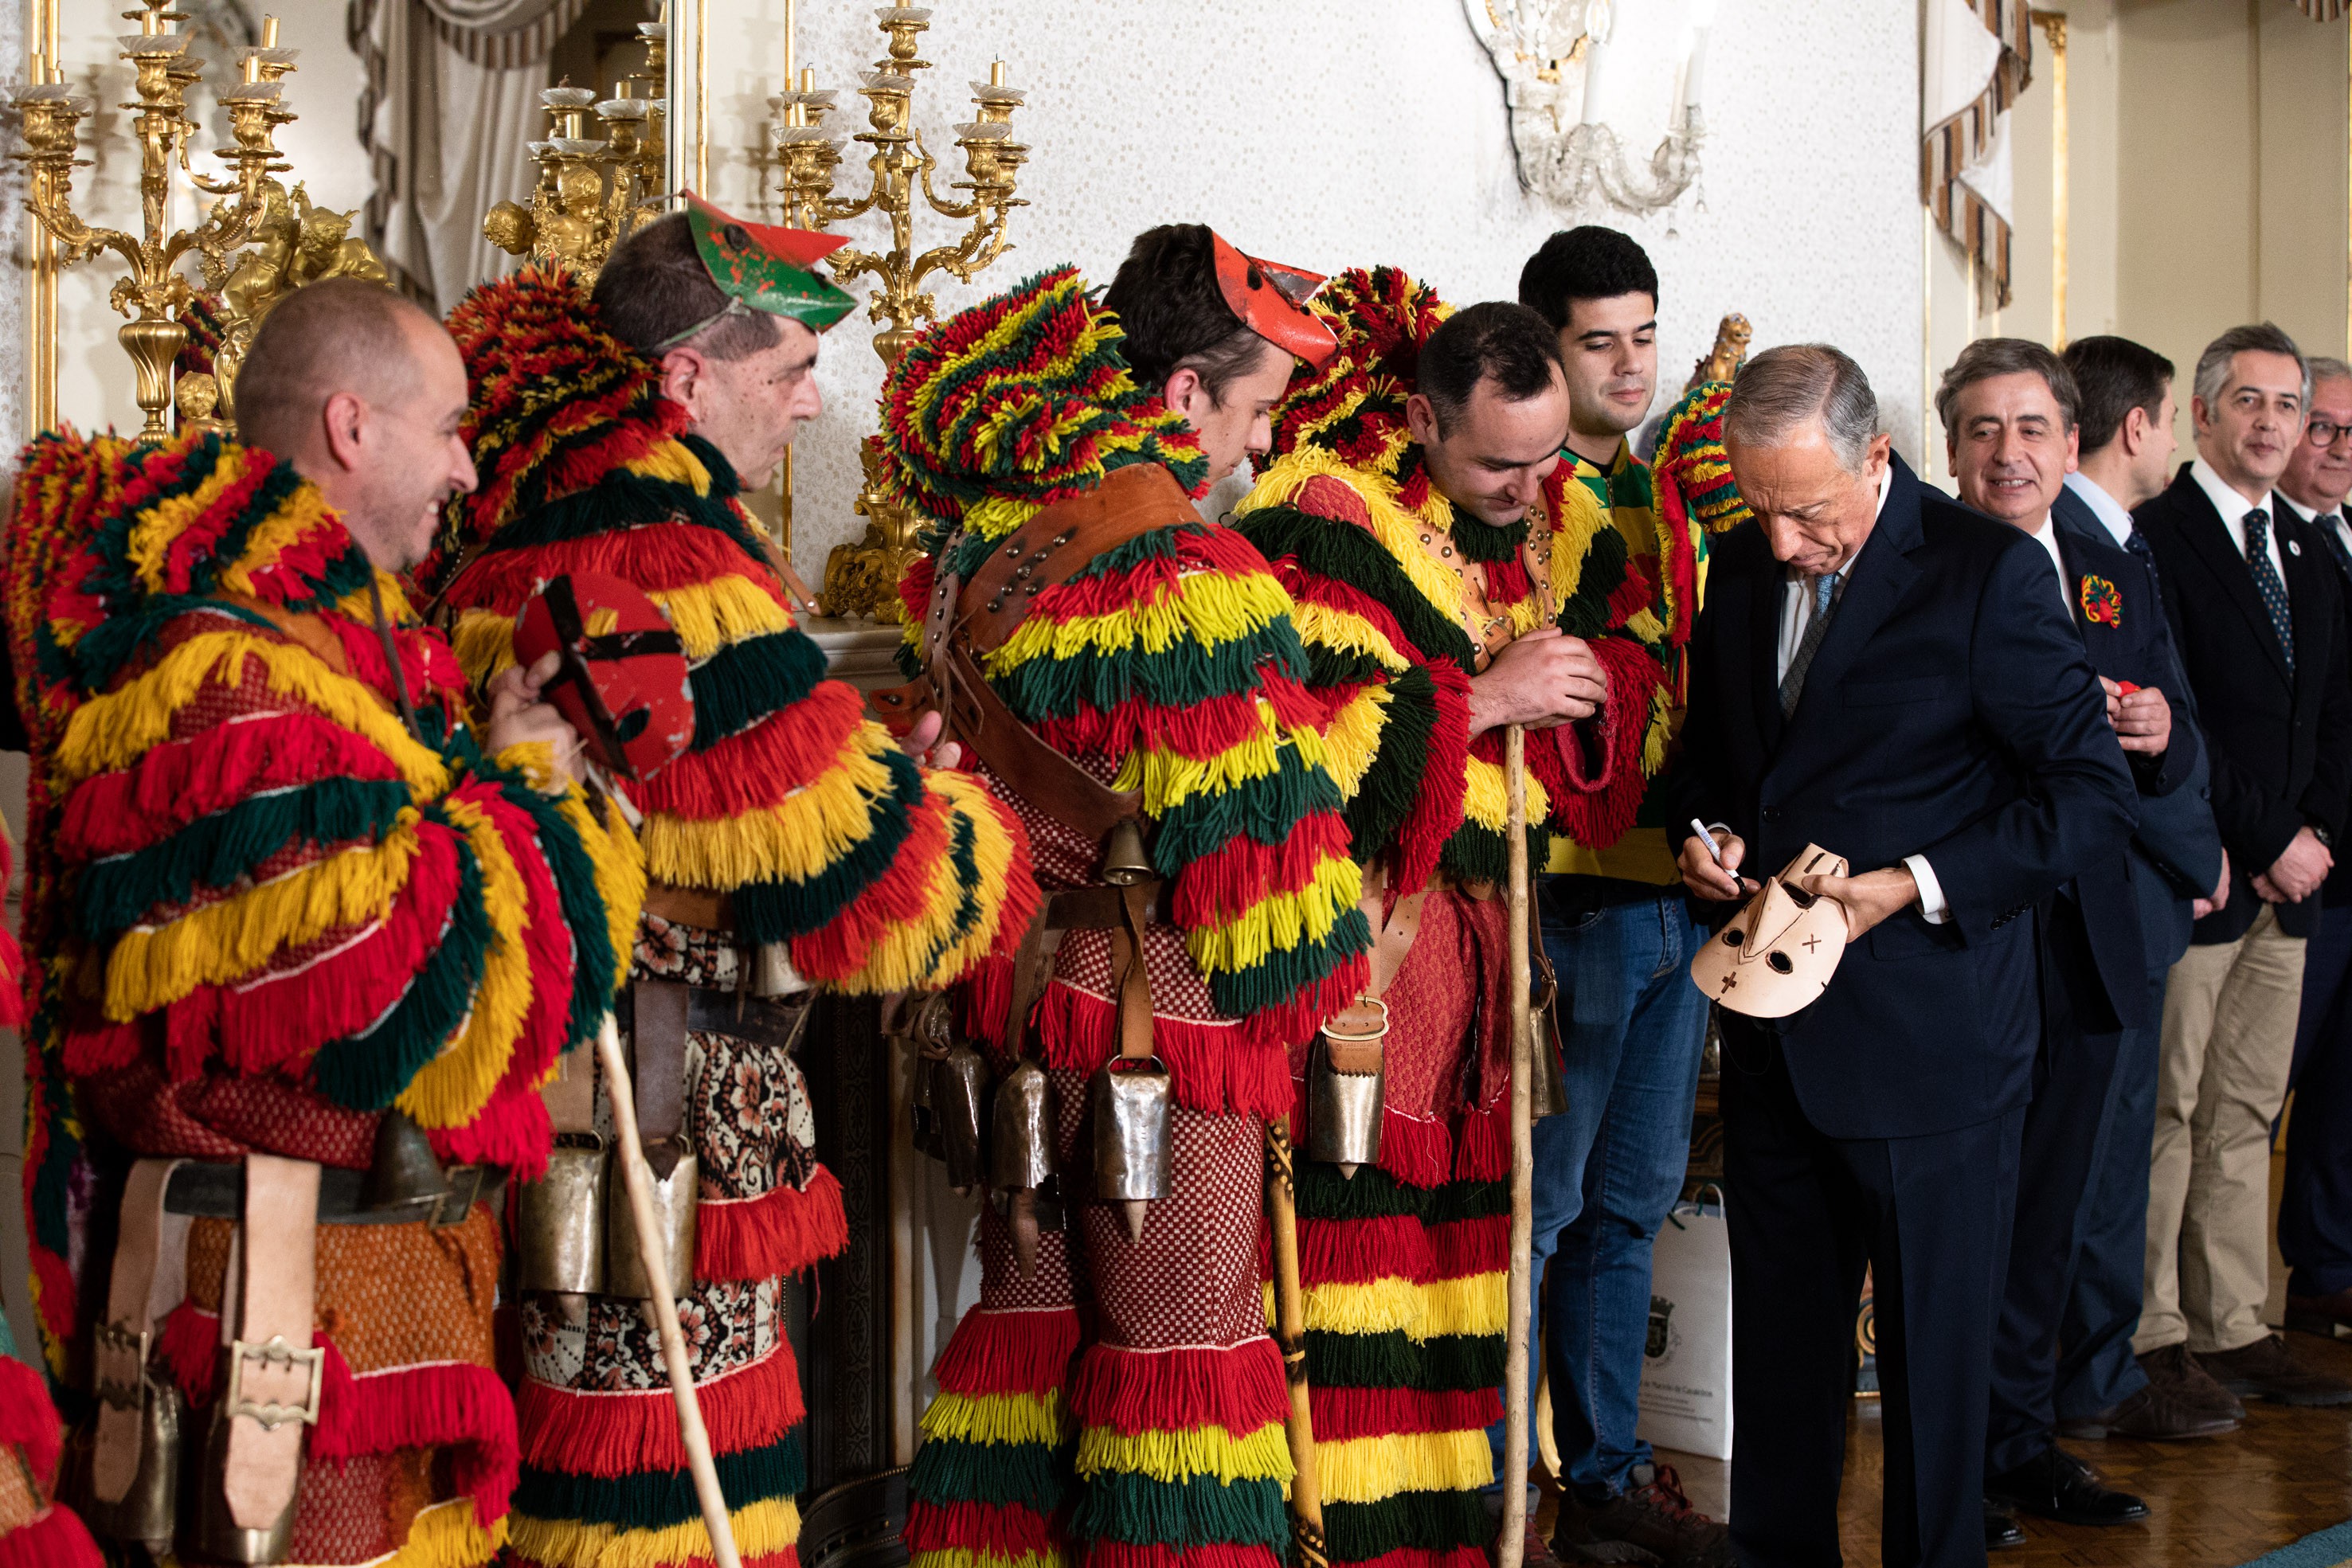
x=1792 y=685
x=2268 y=584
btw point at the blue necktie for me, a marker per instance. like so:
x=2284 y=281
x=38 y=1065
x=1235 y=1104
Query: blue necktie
x=1793 y=683
x=2267 y=582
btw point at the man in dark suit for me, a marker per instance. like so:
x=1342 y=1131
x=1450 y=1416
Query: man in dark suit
x=2124 y=410
x=2009 y=411
x=2315 y=1212
x=2259 y=622
x=1892 y=677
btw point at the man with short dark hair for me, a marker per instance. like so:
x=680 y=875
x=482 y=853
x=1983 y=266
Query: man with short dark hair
x=1891 y=677
x=2258 y=616
x=1402 y=509
x=1616 y=925
x=2315 y=1224
x=2008 y=407
x=792 y=845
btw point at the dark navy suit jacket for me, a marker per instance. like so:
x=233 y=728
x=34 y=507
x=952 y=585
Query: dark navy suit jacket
x=2176 y=855
x=1948 y=712
x=2338 y=894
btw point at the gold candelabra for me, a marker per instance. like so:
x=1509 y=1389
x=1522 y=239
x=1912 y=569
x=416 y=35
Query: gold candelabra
x=593 y=192
x=862 y=580
x=154 y=287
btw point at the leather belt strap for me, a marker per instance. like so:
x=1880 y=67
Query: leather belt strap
x=773 y=1021
x=1351 y=1038
x=691 y=906
x=273 y=1372
x=150 y=1277
x=570 y=1095
x=659 y=1018
x=1035 y=771
x=1099 y=908
x=1134 y=978
x=211 y=1189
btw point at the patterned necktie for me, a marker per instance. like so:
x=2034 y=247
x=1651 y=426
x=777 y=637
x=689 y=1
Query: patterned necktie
x=2137 y=542
x=2267 y=582
x=1793 y=683
x=2332 y=531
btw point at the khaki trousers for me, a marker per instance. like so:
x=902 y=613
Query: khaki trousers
x=2229 y=1039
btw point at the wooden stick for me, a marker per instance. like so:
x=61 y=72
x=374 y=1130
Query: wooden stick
x=639 y=1177
x=1510 y=1548
x=1309 y=1550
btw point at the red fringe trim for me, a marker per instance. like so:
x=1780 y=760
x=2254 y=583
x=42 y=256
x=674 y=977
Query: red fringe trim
x=1422 y=1557
x=1462 y=1248
x=189 y=1348
x=1222 y=1554
x=779 y=1232
x=1438 y=806
x=1222 y=887
x=1009 y=1352
x=759 y=765
x=512 y=1130
x=1596 y=810
x=624 y=1433
x=654 y=557
x=1005 y=1530
x=1216 y=1068
x=1482 y=1150
x=1417 y=1152
x=442 y=1404
x=53 y=1538
x=900 y=895
x=1341 y=1414
x=1240 y=1389
x=28 y=1420
x=1357 y=1251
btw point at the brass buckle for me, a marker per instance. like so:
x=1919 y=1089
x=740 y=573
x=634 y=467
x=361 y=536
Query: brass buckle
x=464 y=1190
x=120 y=1339
x=274 y=1351
x=1380 y=1033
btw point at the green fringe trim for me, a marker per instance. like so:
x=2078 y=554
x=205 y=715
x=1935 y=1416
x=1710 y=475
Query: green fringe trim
x=367 y=1071
x=215 y=851
x=1444 y=1364
x=963 y=854
x=1284 y=973
x=1479 y=854
x=743 y=682
x=596 y=967
x=951 y=1470
x=623 y=500
x=778 y=911
x=1328 y=666
x=1480 y=541
x=657 y=1499
x=1265 y=808
x=1374 y=1194
x=1586 y=613
x=1391 y=786
x=1421 y=1520
x=1180 y=676
x=1119 y=1505
x=1352 y=556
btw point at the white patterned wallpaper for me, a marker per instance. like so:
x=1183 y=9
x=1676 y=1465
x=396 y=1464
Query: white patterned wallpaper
x=1338 y=132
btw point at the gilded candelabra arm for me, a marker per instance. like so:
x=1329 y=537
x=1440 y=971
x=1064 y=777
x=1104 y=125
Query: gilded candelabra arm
x=946 y=209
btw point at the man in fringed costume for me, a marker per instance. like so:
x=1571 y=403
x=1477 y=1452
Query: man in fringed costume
x=1628 y=565
x=1115 y=1393
x=793 y=843
x=302 y=941
x=1402 y=508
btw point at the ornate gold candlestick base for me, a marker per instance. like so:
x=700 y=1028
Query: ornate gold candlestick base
x=862 y=580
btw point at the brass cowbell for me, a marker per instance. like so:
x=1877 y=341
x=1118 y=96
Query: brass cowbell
x=1124 y=863
x=560 y=1218
x=1129 y=1102
x=1344 y=1102
x=1021 y=1154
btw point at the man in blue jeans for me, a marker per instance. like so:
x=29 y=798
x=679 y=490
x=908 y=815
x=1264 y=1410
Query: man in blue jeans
x=1619 y=938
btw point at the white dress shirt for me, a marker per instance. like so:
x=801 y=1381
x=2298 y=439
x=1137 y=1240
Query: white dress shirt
x=2112 y=513
x=2331 y=522
x=2233 y=508
x=2047 y=535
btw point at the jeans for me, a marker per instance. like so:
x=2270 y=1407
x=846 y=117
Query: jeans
x=1609 y=1169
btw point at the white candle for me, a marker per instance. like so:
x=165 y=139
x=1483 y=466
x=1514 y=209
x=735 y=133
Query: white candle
x=1702 y=23
x=1597 y=20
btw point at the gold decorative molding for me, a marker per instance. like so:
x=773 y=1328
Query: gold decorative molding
x=2053 y=31
x=42 y=36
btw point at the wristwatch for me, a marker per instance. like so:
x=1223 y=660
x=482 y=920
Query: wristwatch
x=2319 y=830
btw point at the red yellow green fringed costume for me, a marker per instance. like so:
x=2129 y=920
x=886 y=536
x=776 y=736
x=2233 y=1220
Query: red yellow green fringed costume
x=1125 y=1402
x=264 y=909
x=791 y=820
x=1629 y=568
x=1400 y=600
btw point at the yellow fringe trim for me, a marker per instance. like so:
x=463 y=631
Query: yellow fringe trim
x=709 y=616
x=1484 y=803
x=1372 y=1306
x=1475 y=1304
x=1660 y=726
x=620 y=871
x=1172 y=1457
x=1371 y=1469
x=1580 y=517
x=999 y=1418
x=356 y=606
x=1169 y=779
x=117 y=729
x=1398 y=530
x=484 y=642
x=154 y=966
x=1278 y=924
x=674 y=461
x=166 y=519
x=1207 y=608
x=446 y=1535
x=1320 y=625
x=902 y=955
x=451 y=1089
x=798 y=837
x=767 y=1526
x=1354 y=737
x=992 y=854
x=965 y=1557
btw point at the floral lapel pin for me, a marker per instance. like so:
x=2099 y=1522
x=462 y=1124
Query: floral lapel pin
x=2103 y=605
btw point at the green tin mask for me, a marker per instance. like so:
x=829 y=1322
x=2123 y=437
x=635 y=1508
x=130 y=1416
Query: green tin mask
x=765 y=267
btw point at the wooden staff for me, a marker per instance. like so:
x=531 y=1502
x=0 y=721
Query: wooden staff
x=639 y=1177
x=1510 y=1548
x=1309 y=1550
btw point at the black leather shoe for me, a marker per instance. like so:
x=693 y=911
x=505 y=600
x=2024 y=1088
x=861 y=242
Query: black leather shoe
x=2056 y=1485
x=2001 y=1529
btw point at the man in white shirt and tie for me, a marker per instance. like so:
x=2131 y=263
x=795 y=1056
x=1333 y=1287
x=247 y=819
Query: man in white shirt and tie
x=2315 y=1213
x=2258 y=619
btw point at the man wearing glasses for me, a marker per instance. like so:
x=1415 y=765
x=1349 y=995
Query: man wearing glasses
x=2315 y=1215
